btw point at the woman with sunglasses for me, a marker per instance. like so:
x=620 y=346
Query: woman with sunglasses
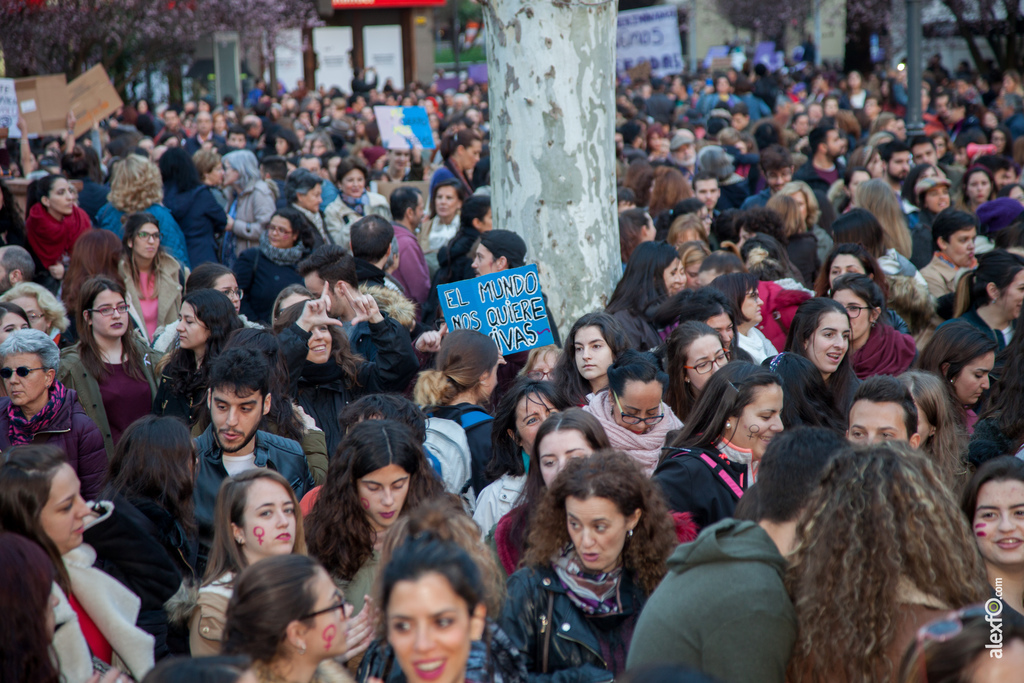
x=876 y=348
x=287 y=615
x=153 y=279
x=632 y=411
x=711 y=462
x=257 y=516
x=958 y=647
x=113 y=372
x=42 y=410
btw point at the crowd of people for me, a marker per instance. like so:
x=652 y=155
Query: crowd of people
x=240 y=443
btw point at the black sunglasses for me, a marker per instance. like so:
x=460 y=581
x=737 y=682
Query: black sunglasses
x=22 y=371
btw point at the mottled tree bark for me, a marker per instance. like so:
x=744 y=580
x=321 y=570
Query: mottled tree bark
x=551 y=76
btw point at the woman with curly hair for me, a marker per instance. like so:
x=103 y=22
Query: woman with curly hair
x=137 y=186
x=379 y=473
x=596 y=550
x=943 y=438
x=880 y=550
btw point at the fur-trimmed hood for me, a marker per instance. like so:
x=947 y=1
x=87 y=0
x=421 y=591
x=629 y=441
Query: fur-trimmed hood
x=394 y=303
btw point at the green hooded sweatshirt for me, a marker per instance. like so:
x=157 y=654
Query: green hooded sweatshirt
x=722 y=608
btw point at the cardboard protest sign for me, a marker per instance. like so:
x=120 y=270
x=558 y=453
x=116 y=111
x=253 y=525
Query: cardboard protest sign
x=8 y=106
x=404 y=127
x=507 y=306
x=93 y=98
x=43 y=102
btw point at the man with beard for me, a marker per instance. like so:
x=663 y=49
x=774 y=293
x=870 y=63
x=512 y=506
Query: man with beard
x=896 y=157
x=823 y=168
x=777 y=168
x=238 y=398
x=683 y=149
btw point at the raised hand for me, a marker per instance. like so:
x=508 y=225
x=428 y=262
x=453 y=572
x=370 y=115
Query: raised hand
x=317 y=312
x=364 y=306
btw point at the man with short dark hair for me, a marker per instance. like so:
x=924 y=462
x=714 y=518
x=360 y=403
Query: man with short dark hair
x=883 y=410
x=236 y=138
x=274 y=169
x=777 y=169
x=1002 y=169
x=204 y=137
x=370 y=241
x=412 y=273
x=238 y=397
x=16 y=265
x=726 y=589
x=823 y=169
x=922 y=150
x=172 y=134
x=330 y=265
x=896 y=156
x=706 y=189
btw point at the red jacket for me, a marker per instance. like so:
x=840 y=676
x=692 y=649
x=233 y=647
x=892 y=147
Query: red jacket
x=778 y=308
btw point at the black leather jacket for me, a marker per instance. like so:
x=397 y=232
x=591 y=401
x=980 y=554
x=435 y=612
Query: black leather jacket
x=276 y=452
x=574 y=652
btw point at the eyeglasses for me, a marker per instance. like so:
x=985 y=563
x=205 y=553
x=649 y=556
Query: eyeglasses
x=232 y=293
x=107 y=311
x=635 y=419
x=539 y=375
x=754 y=295
x=704 y=367
x=149 y=236
x=22 y=371
x=279 y=230
x=853 y=310
x=339 y=605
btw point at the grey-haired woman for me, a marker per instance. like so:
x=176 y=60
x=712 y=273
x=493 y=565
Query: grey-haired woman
x=252 y=203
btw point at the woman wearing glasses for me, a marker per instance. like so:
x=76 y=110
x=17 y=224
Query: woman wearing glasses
x=113 y=373
x=153 y=279
x=287 y=615
x=264 y=271
x=632 y=411
x=743 y=293
x=40 y=408
x=257 y=516
x=714 y=458
x=693 y=353
x=875 y=347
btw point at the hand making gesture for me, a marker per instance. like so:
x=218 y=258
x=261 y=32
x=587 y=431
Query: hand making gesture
x=317 y=312
x=363 y=306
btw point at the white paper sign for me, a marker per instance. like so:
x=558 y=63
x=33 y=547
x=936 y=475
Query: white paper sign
x=28 y=106
x=649 y=35
x=8 y=103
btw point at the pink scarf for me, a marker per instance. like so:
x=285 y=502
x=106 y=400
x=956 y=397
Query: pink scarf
x=644 y=448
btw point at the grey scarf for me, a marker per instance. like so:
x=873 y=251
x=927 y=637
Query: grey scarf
x=282 y=257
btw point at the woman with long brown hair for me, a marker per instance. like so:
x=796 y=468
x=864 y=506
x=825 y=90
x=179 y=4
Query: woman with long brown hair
x=97 y=252
x=113 y=371
x=880 y=550
x=596 y=550
x=154 y=280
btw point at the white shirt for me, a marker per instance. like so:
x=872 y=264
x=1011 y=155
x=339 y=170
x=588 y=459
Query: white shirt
x=496 y=501
x=756 y=344
x=236 y=464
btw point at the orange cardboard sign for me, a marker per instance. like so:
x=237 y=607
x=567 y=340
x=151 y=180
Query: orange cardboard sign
x=93 y=98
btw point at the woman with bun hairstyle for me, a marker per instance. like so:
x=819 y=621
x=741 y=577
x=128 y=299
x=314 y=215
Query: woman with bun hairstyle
x=594 y=342
x=633 y=412
x=990 y=296
x=653 y=275
x=710 y=462
x=596 y=550
x=288 y=616
x=821 y=334
x=443 y=521
x=54 y=223
x=963 y=356
x=565 y=435
x=876 y=348
x=460 y=385
x=517 y=418
x=379 y=474
x=693 y=353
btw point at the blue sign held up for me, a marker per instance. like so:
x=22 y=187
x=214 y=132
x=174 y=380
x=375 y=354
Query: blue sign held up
x=507 y=306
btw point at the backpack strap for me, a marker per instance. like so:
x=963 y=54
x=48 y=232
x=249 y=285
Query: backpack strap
x=730 y=483
x=473 y=418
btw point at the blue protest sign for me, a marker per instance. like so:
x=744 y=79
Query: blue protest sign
x=507 y=306
x=404 y=127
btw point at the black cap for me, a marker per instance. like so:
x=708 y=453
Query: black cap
x=505 y=243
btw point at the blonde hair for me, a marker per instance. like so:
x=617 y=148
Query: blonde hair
x=465 y=356
x=536 y=355
x=677 y=232
x=877 y=198
x=205 y=161
x=53 y=310
x=135 y=185
x=693 y=252
x=789 y=212
x=813 y=209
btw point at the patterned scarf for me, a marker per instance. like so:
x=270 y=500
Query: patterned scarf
x=358 y=205
x=592 y=593
x=23 y=429
x=282 y=257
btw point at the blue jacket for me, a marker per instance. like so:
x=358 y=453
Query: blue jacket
x=200 y=218
x=757 y=201
x=171 y=237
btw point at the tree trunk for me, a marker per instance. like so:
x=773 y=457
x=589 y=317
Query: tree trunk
x=551 y=77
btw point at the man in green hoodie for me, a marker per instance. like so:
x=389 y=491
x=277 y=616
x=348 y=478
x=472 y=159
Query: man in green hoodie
x=723 y=607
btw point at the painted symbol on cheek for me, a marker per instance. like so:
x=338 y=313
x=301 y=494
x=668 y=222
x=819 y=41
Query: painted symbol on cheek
x=365 y=503
x=259 y=533
x=328 y=635
x=980 y=534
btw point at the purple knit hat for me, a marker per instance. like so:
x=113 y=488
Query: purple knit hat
x=999 y=213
